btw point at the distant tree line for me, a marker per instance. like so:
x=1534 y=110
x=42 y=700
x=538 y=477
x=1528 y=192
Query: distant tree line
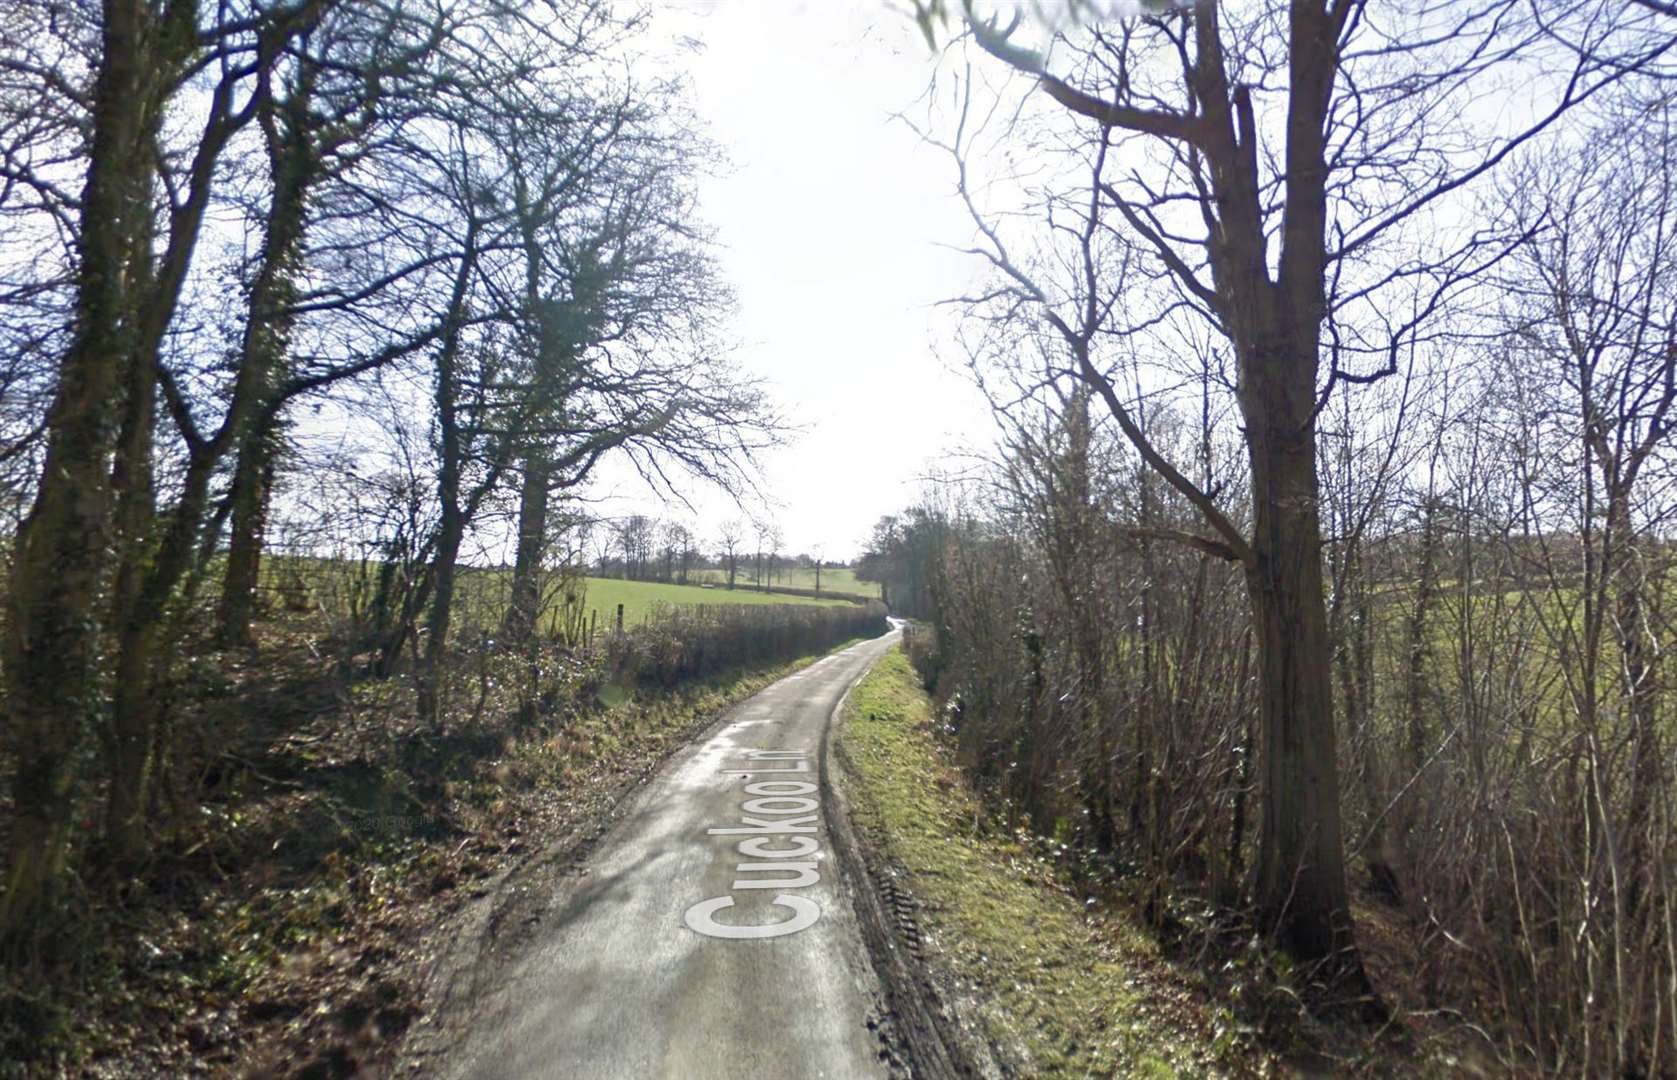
x=639 y=547
x=901 y=555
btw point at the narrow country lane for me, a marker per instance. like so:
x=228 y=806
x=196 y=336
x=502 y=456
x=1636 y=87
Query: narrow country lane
x=708 y=934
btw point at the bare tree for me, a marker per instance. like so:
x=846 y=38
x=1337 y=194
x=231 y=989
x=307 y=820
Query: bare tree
x=731 y=541
x=620 y=304
x=678 y=551
x=1592 y=308
x=345 y=88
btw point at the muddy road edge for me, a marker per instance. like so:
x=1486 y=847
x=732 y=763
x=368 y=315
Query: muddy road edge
x=936 y=1045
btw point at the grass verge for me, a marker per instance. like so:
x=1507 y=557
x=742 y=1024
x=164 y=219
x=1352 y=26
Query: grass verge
x=1060 y=988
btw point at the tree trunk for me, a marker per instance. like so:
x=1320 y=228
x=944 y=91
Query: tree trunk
x=1415 y=645
x=154 y=563
x=253 y=478
x=1301 y=890
x=451 y=529
x=1243 y=768
x=145 y=647
x=1349 y=616
x=130 y=745
x=1638 y=672
x=1399 y=835
x=294 y=163
x=62 y=552
x=532 y=545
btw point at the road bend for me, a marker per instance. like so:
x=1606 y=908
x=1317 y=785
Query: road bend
x=708 y=934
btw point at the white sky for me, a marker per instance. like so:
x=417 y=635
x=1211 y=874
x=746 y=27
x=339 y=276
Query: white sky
x=830 y=221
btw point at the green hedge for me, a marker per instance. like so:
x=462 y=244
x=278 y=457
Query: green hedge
x=676 y=644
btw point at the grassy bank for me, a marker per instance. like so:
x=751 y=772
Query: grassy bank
x=1064 y=989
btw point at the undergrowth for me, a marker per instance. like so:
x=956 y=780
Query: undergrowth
x=286 y=932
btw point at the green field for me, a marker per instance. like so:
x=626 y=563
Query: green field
x=840 y=580
x=640 y=597
x=482 y=594
x=483 y=599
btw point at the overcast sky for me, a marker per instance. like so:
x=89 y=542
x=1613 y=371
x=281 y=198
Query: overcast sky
x=830 y=219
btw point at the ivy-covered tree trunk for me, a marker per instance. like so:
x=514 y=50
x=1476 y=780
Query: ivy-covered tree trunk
x=252 y=488
x=156 y=553
x=59 y=571
x=532 y=546
x=451 y=528
x=129 y=747
x=294 y=163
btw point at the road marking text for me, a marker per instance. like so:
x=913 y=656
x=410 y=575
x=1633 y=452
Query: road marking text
x=781 y=813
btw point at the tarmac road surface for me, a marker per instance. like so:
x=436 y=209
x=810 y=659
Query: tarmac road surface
x=707 y=934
